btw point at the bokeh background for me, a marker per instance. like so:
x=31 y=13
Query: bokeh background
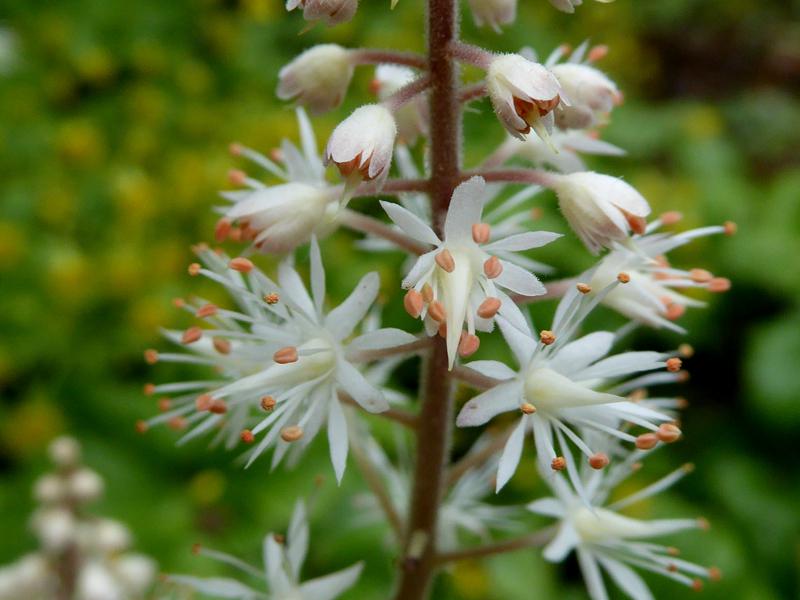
x=114 y=122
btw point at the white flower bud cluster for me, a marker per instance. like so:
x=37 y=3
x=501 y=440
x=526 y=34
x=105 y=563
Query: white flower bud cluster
x=94 y=551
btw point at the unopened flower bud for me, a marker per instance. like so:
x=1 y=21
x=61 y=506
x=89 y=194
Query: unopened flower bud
x=318 y=78
x=591 y=95
x=363 y=143
x=493 y=12
x=330 y=12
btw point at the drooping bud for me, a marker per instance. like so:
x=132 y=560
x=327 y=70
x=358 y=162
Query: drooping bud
x=330 y=12
x=493 y=12
x=318 y=78
x=591 y=94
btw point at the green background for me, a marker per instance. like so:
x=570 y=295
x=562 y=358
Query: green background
x=114 y=126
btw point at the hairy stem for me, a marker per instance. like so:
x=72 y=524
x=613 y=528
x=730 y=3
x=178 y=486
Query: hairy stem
x=365 y=224
x=370 y=56
x=479 y=457
x=531 y=540
x=524 y=176
x=418 y=564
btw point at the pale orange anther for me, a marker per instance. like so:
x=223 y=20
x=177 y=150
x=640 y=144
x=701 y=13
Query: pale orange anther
x=481 y=232
x=292 y=433
x=637 y=224
x=149 y=389
x=646 y=441
x=222 y=230
x=235 y=148
x=668 y=433
x=191 y=335
x=675 y=311
x=164 y=404
x=207 y=310
x=714 y=574
x=547 y=337
x=536 y=213
x=673 y=551
x=703 y=523
x=671 y=217
x=247 y=436
x=248 y=233
x=437 y=312
x=141 y=426
x=730 y=227
x=374 y=86
x=237 y=176
x=697 y=584
x=637 y=395
x=687 y=467
x=413 y=303
x=623 y=277
x=203 y=402
x=468 y=345
x=488 y=308
x=178 y=302
x=235 y=234
x=674 y=364
x=221 y=345
x=194 y=269
x=584 y=288
x=151 y=356
x=683 y=376
x=218 y=407
x=492 y=267
x=285 y=355
x=177 y=423
x=719 y=285
x=200 y=247
x=442 y=330
x=565 y=48
x=681 y=403
x=686 y=350
x=241 y=264
x=598 y=460
x=271 y=298
x=427 y=293
x=527 y=408
x=598 y=52
x=559 y=463
x=268 y=403
x=276 y=154
x=445 y=261
x=700 y=275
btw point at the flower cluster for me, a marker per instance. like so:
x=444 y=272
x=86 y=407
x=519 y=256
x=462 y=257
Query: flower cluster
x=94 y=551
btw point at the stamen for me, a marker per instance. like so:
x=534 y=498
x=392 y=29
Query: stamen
x=714 y=574
x=668 y=433
x=686 y=350
x=241 y=264
x=488 y=308
x=673 y=551
x=292 y=433
x=527 y=408
x=191 y=335
x=584 y=288
x=222 y=230
x=285 y=355
x=671 y=217
x=598 y=460
x=164 y=404
x=646 y=441
x=492 y=267
x=247 y=436
x=719 y=285
x=697 y=585
x=141 y=427
x=597 y=53
x=207 y=310
x=437 y=312
x=413 y=302
x=221 y=345
x=268 y=403
x=468 y=345
x=446 y=261
x=194 y=269
x=546 y=337
x=481 y=232
x=178 y=302
x=703 y=523
x=730 y=227
x=151 y=356
x=558 y=463
x=235 y=149
x=442 y=331
x=218 y=407
x=149 y=389
x=674 y=364
x=237 y=177
x=272 y=298
x=279 y=537
x=203 y=402
x=177 y=423
x=427 y=293
x=674 y=311
x=623 y=278
x=700 y=275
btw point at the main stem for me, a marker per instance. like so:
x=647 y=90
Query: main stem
x=418 y=565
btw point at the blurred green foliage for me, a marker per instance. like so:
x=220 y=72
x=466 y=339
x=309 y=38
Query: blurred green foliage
x=113 y=129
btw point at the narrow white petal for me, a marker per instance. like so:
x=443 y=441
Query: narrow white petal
x=580 y=353
x=317 y=275
x=420 y=269
x=341 y=321
x=624 y=364
x=492 y=368
x=293 y=289
x=566 y=539
x=592 y=575
x=297 y=544
x=337 y=438
x=519 y=280
x=512 y=312
x=549 y=507
x=481 y=408
x=354 y=383
x=626 y=578
x=219 y=587
x=523 y=241
x=273 y=566
x=410 y=223
x=512 y=452
x=465 y=210
x=331 y=586
x=520 y=342
x=388 y=337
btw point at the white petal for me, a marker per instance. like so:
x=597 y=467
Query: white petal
x=512 y=452
x=331 y=586
x=523 y=241
x=341 y=321
x=549 y=507
x=293 y=289
x=520 y=342
x=626 y=578
x=566 y=539
x=354 y=383
x=592 y=575
x=379 y=339
x=624 y=364
x=273 y=566
x=582 y=352
x=519 y=280
x=465 y=210
x=337 y=438
x=317 y=275
x=410 y=223
x=481 y=408
x=420 y=269
x=512 y=312
x=220 y=587
x=297 y=544
x=492 y=368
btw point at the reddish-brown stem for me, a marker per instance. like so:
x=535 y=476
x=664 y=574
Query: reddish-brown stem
x=407 y=93
x=473 y=378
x=531 y=176
x=472 y=92
x=368 y=56
x=390 y=186
x=366 y=224
x=418 y=563
x=467 y=53
x=477 y=458
x=555 y=289
x=401 y=417
x=531 y=540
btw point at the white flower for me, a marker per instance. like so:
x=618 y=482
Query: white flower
x=318 y=78
x=458 y=281
x=604 y=539
x=568 y=6
x=411 y=117
x=330 y=12
x=55 y=527
x=277 y=219
x=523 y=94
x=135 y=573
x=283 y=562
x=562 y=152
x=84 y=485
x=96 y=582
x=65 y=452
x=493 y=12
x=50 y=489
x=600 y=209
x=564 y=388
x=291 y=396
x=363 y=143
x=591 y=93
x=652 y=297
